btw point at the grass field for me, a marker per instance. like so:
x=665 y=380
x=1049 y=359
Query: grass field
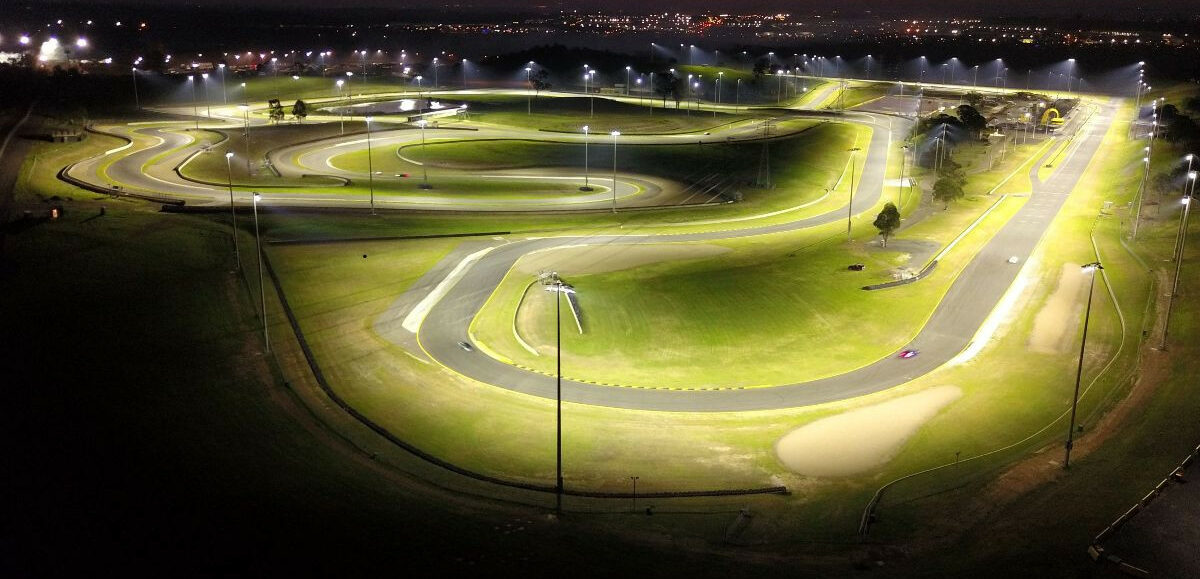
x=569 y=114
x=218 y=418
x=689 y=449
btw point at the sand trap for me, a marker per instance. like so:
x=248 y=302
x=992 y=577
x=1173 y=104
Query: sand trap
x=587 y=259
x=1055 y=323
x=860 y=439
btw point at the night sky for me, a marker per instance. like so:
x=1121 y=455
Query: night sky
x=926 y=8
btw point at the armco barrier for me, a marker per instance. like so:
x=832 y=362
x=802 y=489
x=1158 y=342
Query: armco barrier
x=1097 y=550
x=380 y=430
x=64 y=175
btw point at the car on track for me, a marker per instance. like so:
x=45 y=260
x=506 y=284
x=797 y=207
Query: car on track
x=906 y=354
x=1014 y=259
x=466 y=347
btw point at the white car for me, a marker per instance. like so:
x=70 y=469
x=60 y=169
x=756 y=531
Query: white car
x=1014 y=259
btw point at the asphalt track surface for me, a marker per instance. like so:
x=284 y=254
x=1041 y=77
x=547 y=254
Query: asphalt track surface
x=968 y=302
x=150 y=170
x=446 y=321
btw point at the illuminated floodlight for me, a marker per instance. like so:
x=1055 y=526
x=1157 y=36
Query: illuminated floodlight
x=24 y=40
x=229 y=155
x=81 y=42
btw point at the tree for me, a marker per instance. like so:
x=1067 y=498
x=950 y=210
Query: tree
x=970 y=117
x=887 y=221
x=948 y=188
x=761 y=66
x=540 y=81
x=668 y=85
x=300 y=110
x=275 y=110
x=1192 y=104
x=973 y=98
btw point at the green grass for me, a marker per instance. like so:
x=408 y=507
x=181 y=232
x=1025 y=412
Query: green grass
x=857 y=93
x=211 y=167
x=568 y=114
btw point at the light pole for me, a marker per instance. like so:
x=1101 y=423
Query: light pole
x=615 y=134
x=224 y=93
x=720 y=75
x=591 y=99
x=652 y=96
x=246 y=119
x=370 y=166
x=903 y=162
x=628 y=69
x=1141 y=196
x=529 y=90
x=342 y=113
x=195 y=106
x=419 y=90
x=737 y=95
x=1088 y=269
x=262 y=292
x=137 y=101
x=585 y=160
x=559 y=288
x=1181 y=240
x=850 y=206
x=233 y=212
x=975 y=79
x=207 y=101
x=425 y=165
x=435 y=67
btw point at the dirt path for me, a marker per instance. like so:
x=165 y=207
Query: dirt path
x=861 y=439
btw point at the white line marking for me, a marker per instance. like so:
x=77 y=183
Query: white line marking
x=412 y=322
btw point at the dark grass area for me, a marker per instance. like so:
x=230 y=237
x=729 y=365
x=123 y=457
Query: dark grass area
x=145 y=432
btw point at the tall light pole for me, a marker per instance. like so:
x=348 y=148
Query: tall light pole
x=615 y=134
x=591 y=99
x=1091 y=270
x=207 y=101
x=1181 y=240
x=262 y=292
x=975 y=79
x=224 y=94
x=233 y=212
x=628 y=69
x=137 y=101
x=370 y=166
x=342 y=113
x=720 y=75
x=246 y=119
x=425 y=165
x=195 y=106
x=903 y=163
x=737 y=95
x=435 y=67
x=559 y=288
x=850 y=206
x=1141 y=196
x=529 y=90
x=585 y=159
